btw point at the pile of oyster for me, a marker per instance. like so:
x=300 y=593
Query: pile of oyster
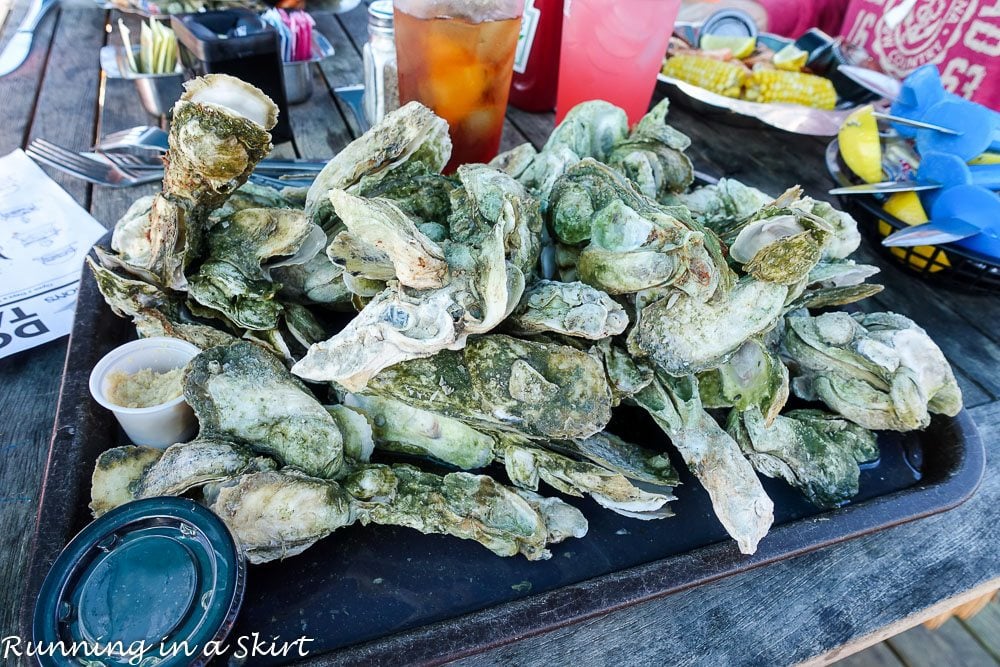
x=497 y=316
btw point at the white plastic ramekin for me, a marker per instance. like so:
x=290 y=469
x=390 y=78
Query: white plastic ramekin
x=158 y=425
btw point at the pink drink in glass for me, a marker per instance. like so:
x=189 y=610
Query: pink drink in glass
x=612 y=50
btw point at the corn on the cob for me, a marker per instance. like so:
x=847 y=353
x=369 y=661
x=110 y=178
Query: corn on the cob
x=773 y=85
x=725 y=78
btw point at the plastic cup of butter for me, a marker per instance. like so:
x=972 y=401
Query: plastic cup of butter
x=159 y=425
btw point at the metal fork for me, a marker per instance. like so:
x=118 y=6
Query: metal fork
x=89 y=169
x=290 y=170
x=99 y=170
x=142 y=136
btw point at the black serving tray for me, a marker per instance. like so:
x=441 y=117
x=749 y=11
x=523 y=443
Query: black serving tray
x=386 y=595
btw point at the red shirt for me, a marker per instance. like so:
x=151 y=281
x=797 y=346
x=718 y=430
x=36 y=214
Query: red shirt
x=962 y=37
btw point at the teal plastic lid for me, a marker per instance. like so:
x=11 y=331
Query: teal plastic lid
x=160 y=576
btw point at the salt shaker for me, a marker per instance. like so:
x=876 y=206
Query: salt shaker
x=381 y=78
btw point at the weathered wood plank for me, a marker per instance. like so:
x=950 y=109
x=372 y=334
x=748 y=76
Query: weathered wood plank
x=345 y=68
x=67 y=101
x=29 y=382
x=979 y=311
x=355 y=25
x=319 y=127
x=985 y=626
x=951 y=644
x=798 y=609
x=29 y=389
x=19 y=89
x=972 y=394
x=121 y=110
x=535 y=126
x=879 y=655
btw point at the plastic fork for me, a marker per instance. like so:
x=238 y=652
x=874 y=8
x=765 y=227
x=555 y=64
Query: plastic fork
x=99 y=172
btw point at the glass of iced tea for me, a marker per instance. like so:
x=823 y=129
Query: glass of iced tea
x=457 y=57
x=613 y=51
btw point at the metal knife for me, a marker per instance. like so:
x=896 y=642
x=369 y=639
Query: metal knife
x=934 y=232
x=885 y=187
x=352 y=97
x=881 y=84
x=19 y=46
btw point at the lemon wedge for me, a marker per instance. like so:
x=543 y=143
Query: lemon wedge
x=907 y=207
x=740 y=47
x=986 y=158
x=790 y=58
x=859 y=144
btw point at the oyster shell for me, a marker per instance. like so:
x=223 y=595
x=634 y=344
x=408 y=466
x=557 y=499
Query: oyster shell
x=399 y=427
x=712 y=455
x=359 y=439
x=812 y=450
x=754 y=376
x=218 y=134
x=472 y=507
x=725 y=204
x=317 y=281
x=833 y=283
x=625 y=458
x=378 y=228
x=242 y=393
x=590 y=129
x=153 y=312
x=277 y=514
x=683 y=335
x=507 y=384
x=625 y=375
x=409 y=136
x=653 y=156
x=484 y=284
x=117 y=475
x=190 y=465
x=572 y=309
x=232 y=279
x=879 y=370
x=634 y=243
x=527 y=465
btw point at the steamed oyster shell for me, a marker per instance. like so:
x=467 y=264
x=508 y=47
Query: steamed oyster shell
x=812 y=450
x=879 y=370
x=739 y=500
x=244 y=394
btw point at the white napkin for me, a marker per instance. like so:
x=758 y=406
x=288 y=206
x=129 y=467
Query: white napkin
x=44 y=236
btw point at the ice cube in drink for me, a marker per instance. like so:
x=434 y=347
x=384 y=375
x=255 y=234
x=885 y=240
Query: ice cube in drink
x=612 y=51
x=461 y=69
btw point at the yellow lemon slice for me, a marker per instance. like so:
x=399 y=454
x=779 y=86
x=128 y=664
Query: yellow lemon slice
x=740 y=47
x=986 y=158
x=907 y=207
x=859 y=144
x=790 y=58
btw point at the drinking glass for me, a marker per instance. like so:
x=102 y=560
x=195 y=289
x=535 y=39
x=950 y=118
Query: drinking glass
x=613 y=51
x=457 y=57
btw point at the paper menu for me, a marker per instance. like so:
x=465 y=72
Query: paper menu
x=44 y=236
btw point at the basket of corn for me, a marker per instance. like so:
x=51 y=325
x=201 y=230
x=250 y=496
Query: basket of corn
x=747 y=80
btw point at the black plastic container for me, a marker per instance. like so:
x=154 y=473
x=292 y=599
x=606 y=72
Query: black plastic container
x=235 y=42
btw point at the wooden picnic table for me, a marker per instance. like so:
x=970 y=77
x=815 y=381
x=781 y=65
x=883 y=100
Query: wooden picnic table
x=816 y=607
